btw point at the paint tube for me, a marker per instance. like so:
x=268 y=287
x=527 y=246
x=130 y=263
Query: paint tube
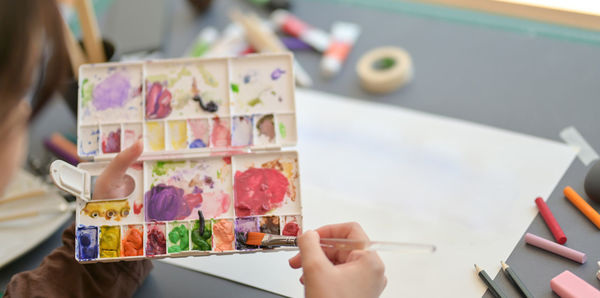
x=205 y=39
x=231 y=44
x=343 y=36
x=290 y=24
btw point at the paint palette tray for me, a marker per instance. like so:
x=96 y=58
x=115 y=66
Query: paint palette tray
x=213 y=132
x=186 y=106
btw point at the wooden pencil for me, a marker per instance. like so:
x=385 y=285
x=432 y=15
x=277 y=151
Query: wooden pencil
x=515 y=280
x=489 y=282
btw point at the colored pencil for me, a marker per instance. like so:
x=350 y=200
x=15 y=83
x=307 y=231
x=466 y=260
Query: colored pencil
x=550 y=221
x=487 y=280
x=515 y=280
x=582 y=205
x=556 y=248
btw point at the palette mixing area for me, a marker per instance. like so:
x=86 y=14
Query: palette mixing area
x=213 y=130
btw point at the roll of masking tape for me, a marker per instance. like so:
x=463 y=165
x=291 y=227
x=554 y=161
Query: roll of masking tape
x=384 y=69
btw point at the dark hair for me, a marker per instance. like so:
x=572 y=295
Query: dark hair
x=24 y=26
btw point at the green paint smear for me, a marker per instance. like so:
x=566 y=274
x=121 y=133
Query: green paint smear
x=282 y=130
x=171 y=81
x=158 y=78
x=218 y=174
x=180 y=102
x=86 y=92
x=208 y=77
x=179 y=238
x=161 y=168
x=202 y=242
x=254 y=102
x=235 y=88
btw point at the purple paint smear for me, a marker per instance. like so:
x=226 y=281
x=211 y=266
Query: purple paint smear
x=243 y=225
x=111 y=93
x=277 y=73
x=166 y=202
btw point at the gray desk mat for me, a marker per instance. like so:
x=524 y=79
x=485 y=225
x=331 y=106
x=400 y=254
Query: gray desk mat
x=509 y=80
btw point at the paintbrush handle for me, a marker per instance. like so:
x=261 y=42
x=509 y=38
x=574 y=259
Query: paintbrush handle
x=349 y=244
x=22 y=196
x=19 y=216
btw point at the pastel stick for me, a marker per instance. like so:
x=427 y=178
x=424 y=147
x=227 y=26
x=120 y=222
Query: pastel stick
x=556 y=248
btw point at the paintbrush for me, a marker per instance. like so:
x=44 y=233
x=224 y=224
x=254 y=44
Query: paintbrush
x=64 y=207
x=269 y=240
x=25 y=195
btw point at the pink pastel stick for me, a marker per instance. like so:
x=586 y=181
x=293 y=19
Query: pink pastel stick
x=556 y=248
x=569 y=285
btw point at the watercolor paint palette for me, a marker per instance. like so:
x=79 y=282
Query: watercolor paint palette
x=213 y=132
x=186 y=105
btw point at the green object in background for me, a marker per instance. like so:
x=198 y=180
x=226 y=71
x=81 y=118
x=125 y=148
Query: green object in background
x=477 y=18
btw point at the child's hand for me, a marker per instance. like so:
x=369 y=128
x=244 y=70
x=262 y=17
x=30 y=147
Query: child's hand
x=113 y=183
x=337 y=273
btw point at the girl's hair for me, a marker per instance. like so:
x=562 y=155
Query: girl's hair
x=30 y=28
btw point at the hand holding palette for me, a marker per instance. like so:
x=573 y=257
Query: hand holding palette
x=212 y=168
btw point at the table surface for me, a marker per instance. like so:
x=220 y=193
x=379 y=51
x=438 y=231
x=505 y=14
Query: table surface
x=520 y=82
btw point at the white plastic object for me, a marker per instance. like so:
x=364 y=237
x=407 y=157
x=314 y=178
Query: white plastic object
x=71 y=179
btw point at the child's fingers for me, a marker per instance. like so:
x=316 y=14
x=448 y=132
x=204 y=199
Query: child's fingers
x=348 y=230
x=312 y=256
x=119 y=165
x=295 y=261
x=113 y=183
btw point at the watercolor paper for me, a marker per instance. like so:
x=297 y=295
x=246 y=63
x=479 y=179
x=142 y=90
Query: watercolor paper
x=471 y=165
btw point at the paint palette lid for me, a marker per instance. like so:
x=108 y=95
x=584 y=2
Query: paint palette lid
x=185 y=107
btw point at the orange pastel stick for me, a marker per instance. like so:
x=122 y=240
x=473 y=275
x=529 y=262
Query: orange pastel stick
x=582 y=205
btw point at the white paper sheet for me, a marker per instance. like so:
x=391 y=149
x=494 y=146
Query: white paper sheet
x=411 y=177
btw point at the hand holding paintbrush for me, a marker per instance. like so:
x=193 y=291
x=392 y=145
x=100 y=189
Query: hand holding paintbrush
x=346 y=272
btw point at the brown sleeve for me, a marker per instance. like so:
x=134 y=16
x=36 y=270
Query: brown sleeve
x=60 y=275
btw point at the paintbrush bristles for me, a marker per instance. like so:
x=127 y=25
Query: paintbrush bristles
x=254 y=238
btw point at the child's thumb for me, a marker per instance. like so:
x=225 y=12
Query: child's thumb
x=311 y=253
